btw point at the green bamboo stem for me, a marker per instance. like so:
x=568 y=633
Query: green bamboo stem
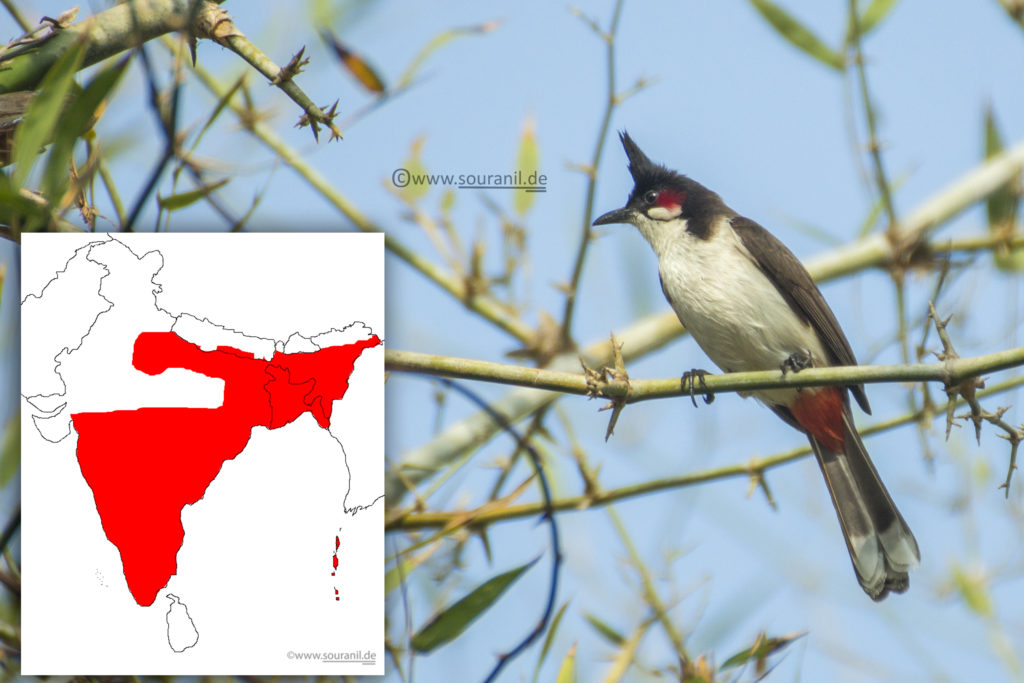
x=949 y=372
x=115 y=30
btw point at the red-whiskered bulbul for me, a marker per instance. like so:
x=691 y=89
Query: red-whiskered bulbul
x=751 y=305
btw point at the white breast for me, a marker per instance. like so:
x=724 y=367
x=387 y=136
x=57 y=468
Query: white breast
x=729 y=306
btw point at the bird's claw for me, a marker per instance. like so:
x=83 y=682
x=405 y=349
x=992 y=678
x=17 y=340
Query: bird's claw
x=689 y=382
x=797 y=361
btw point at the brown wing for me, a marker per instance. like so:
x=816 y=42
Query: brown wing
x=794 y=283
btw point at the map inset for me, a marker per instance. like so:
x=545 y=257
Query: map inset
x=203 y=419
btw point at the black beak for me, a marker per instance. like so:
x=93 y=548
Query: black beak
x=617 y=216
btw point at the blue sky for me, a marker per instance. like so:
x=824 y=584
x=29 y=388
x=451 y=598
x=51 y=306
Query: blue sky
x=744 y=112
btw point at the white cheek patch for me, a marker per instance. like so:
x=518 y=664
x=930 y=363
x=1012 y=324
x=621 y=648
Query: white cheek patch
x=665 y=213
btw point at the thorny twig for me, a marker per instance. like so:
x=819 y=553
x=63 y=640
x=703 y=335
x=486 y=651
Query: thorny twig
x=597 y=380
x=214 y=23
x=967 y=389
x=928 y=405
x=48 y=27
x=759 y=480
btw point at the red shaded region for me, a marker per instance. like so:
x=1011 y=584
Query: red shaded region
x=145 y=465
x=287 y=399
x=820 y=412
x=330 y=368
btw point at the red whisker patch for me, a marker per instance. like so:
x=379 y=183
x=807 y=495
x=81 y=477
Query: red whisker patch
x=671 y=199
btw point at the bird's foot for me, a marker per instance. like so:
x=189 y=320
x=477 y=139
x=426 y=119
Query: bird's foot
x=797 y=361
x=689 y=382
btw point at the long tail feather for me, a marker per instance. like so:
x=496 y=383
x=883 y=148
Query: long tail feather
x=882 y=547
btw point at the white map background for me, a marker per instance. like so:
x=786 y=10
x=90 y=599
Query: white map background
x=255 y=567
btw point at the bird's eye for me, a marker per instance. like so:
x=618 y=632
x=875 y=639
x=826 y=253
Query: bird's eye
x=651 y=197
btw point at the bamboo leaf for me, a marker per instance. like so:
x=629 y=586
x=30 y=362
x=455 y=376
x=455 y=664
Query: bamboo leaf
x=874 y=14
x=356 y=65
x=339 y=13
x=567 y=672
x=17 y=210
x=42 y=114
x=1015 y=10
x=606 y=631
x=974 y=591
x=798 y=34
x=626 y=655
x=437 y=42
x=549 y=638
x=1003 y=204
x=404 y=567
x=10 y=455
x=222 y=104
x=415 y=187
x=447 y=202
x=528 y=163
x=393 y=577
x=762 y=648
x=79 y=116
x=453 y=620
x=181 y=200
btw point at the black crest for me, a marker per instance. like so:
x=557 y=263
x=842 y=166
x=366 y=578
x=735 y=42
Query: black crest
x=647 y=174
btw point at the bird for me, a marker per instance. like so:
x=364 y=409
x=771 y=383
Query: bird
x=751 y=305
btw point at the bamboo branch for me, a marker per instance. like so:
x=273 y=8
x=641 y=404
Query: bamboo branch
x=407 y=520
x=131 y=24
x=950 y=372
x=115 y=30
x=641 y=338
x=214 y=23
x=985 y=242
